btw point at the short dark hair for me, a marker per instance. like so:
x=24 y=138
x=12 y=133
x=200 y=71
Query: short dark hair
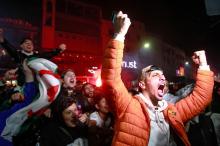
x=62 y=102
x=64 y=73
x=24 y=39
x=84 y=85
x=98 y=97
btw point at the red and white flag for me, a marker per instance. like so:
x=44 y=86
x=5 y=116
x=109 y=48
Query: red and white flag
x=49 y=87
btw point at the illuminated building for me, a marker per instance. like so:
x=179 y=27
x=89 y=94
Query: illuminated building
x=81 y=27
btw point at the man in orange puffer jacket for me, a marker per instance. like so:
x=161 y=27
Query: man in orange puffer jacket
x=146 y=119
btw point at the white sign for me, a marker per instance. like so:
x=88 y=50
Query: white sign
x=129 y=64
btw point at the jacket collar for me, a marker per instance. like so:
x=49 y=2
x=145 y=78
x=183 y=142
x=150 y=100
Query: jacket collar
x=26 y=53
x=161 y=104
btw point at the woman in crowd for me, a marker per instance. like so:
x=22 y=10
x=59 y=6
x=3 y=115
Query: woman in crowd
x=67 y=126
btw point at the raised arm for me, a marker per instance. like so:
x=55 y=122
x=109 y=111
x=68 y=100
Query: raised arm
x=111 y=68
x=12 y=50
x=53 y=53
x=201 y=96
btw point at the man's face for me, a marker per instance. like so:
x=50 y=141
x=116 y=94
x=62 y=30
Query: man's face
x=103 y=106
x=27 y=46
x=17 y=97
x=69 y=79
x=70 y=115
x=88 y=90
x=155 y=85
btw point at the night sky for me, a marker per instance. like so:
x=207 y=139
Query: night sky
x=183 y=23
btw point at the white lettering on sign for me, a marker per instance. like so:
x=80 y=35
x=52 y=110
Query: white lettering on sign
x=129 y=64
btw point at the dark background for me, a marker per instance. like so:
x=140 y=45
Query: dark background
x=182 y=23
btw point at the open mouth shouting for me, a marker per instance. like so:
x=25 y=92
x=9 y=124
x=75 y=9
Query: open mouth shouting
x=72 y=81
x=161 y=90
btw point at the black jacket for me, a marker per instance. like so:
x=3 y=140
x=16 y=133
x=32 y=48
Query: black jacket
x=19 y=57
x=55 y=134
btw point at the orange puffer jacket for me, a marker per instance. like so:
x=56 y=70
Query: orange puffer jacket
x=132 y=127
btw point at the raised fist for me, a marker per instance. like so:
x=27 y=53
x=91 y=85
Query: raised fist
x=121 y=23
x=199 y=58
x=62 y=47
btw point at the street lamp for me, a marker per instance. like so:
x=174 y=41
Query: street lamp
x=147 y=45
x=186 y=63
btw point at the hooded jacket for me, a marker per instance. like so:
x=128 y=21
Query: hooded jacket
x=132 y=126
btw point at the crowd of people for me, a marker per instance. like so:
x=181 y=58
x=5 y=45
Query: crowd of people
x=39 y=107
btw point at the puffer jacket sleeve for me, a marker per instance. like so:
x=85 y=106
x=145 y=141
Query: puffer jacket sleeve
x=200 y=97
x=115 y=89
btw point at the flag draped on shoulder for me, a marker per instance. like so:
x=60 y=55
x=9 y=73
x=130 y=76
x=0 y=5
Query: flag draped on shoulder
x=49 y=87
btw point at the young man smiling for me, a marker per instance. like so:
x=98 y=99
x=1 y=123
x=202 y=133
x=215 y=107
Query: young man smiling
x=26 y=50
x=146 y=119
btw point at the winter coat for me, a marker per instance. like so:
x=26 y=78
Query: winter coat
x=132 y=125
